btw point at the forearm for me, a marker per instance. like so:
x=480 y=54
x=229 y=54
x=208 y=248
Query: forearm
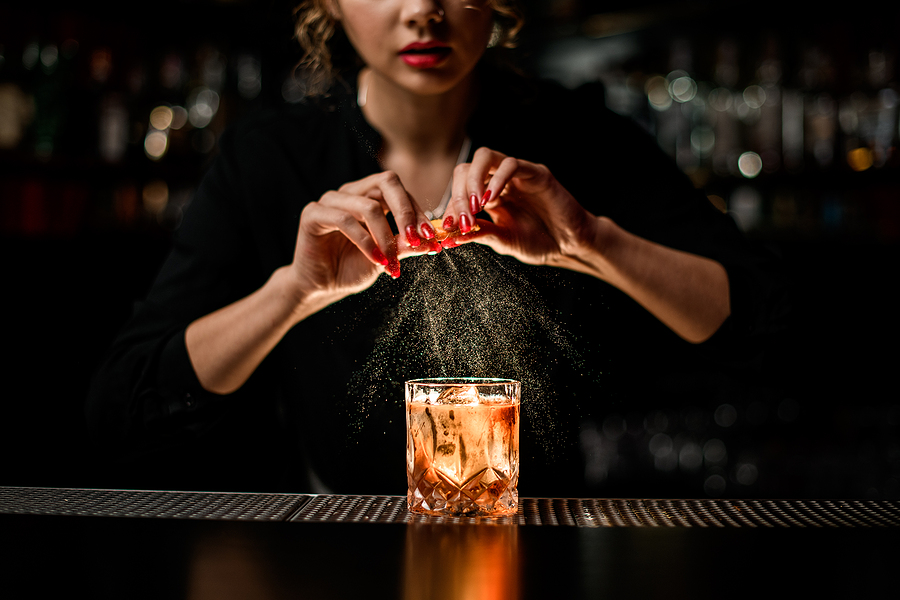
x=687 y=292
x=225 y=347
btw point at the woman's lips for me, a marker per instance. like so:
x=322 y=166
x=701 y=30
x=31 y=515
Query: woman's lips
x=424 y=55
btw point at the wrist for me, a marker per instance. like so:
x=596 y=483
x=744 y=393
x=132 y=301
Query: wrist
x=608 y=237
x=298 y=298
x=597 y=242
x=285 y=290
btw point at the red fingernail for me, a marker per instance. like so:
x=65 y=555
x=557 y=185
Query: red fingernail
x=448 y=223
x=379 y=257
x=474 y=206
x=464 y=224
x=394 y=270
x=412 y=237
x=486 y=198
x=427 y=230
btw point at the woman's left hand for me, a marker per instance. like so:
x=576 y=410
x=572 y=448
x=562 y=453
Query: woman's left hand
x=534 y=218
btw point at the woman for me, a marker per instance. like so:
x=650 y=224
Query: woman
x=259 y=323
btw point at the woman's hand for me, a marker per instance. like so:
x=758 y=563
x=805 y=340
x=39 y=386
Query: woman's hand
x=534 y=218
x=537 y=221
x=345 y=240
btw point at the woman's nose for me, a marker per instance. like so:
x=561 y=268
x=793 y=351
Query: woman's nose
x=422 y=12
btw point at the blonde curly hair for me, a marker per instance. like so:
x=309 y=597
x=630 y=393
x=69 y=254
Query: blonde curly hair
x=328 y=53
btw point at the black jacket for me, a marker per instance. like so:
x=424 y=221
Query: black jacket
x=330 y=398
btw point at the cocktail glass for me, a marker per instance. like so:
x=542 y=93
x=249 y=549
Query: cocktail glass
x=462 y=446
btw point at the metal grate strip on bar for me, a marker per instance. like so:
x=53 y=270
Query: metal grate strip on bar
x=554 y=512
x=586 y=512
x=156 y=504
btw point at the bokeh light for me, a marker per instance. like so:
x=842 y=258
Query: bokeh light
x=161 y=117
x=754 y=96
x=657 y=89
x=750 y=164
x=179 y=117
x=860 y=159
x=714 y=452
x=720 y=99
x=745 y=206
x=202 y=106
x=101 y=64
x=690 y=457
x=703 y=140
x=155 y=144
x=249 y=77
x=155 y=196
x=682 y=88
x=614 y=426
x=49 y=58
x=746 y=474
x=714 y=486
x=725 y=415
x=660 y=445
x=30 y=55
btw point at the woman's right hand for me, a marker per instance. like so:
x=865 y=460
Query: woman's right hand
x=345 y=241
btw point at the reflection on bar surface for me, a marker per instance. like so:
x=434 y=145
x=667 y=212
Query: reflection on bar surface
x=461 y=561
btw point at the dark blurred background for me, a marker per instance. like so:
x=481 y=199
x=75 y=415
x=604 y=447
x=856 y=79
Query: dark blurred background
x=785 y=113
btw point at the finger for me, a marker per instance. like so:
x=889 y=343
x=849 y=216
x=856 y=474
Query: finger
x=387 y=187
x=321 y=219
x=459 y=211
x=507 y=169
x=426 y=247
x=467 y=189
x=365 y=209
x=484 y=164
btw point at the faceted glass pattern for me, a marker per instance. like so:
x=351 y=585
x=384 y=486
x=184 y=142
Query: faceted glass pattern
x=462 y=449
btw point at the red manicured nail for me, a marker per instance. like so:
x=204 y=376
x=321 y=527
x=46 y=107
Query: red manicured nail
x=474 y=206
x=379 y=257
x=394 y=269
x=427 y=231
x=412 y=237
x=464 y=224
x=448 y=223
x=486 y=198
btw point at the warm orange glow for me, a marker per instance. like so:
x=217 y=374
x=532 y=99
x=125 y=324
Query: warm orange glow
x=480 y=562
x=718 y=202
x=155 y=196
x=860 y=159
x=101 y=64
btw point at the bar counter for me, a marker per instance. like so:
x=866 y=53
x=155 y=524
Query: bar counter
x=164 y=544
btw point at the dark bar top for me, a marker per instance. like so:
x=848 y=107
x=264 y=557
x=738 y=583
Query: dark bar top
x=172 y=544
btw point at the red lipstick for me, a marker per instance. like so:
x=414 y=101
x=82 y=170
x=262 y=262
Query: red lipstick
x=425 y=55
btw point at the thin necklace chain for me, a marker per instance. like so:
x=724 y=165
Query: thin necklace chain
x=438 y=211
x=362 y=96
